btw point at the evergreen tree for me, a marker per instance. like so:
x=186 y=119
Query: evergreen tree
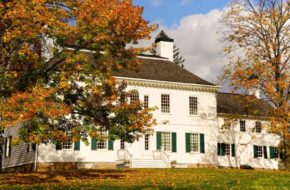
x=177 y=59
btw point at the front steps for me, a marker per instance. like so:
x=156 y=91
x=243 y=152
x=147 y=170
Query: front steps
x=148 y=163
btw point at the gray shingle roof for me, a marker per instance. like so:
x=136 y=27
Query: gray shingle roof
x=162 y=70
x=228 y=103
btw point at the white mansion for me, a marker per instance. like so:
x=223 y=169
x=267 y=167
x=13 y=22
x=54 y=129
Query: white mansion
x=193 y=128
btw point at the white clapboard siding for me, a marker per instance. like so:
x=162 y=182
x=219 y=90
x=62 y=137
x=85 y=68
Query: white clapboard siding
x=19 y=155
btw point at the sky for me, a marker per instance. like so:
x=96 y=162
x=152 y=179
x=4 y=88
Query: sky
x=195 y=26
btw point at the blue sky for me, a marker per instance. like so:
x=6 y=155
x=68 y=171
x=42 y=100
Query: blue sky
x=169 y=12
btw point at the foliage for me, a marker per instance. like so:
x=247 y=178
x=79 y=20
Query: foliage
x=49 y=84
x=149 y=179
x=259 y=53
x=177 y=59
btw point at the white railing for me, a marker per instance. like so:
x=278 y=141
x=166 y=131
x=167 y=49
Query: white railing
x=161 y=155
x=128 y=157
x=125 y=155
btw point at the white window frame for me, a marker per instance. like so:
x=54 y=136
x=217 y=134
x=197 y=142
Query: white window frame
x=146 y=142
x=163 y=141
x=68 y=144
x=102 y=144
x=165 y=103
x=134 y=96
x=227 y=149
x=146 y=101
x=260 y=127
x=193 y=105
x=122 y=144
x=259 y=152
x=192 y=142
x=243 y=126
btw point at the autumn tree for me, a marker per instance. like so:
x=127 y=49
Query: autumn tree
x=258 y=34
x=56 y=63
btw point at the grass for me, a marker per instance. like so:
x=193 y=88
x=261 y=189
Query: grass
x=149 y=179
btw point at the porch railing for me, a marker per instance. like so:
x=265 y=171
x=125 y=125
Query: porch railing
x=162 y=155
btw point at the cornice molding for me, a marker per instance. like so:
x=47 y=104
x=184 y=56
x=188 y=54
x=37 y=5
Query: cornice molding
x=238 y=116
x=168 y=85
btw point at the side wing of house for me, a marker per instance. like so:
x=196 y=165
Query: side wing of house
x=247 y=143
x=14 y=155
x=243 y=138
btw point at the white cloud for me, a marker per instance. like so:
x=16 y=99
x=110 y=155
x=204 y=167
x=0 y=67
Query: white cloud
x=199 y=40
x=200 y=43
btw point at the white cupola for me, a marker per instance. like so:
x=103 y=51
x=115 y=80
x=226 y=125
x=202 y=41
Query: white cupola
x=164 y=46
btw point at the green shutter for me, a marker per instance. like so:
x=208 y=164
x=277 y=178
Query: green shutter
x=187 y=142
x=173 y=148
x=223 y=149
x=271 y=152
x=58 y=146
x=111 y=145
x=219 y=149
x=233 y=150
x=265 y=152
x=158 y=141
x=77 y=145
x=255 y=151
x=94 y=143
x=201 y=139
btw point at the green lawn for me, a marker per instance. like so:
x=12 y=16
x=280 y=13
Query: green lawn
x=149 y=179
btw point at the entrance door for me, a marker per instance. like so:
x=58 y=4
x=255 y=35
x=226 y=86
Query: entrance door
x=147 y=146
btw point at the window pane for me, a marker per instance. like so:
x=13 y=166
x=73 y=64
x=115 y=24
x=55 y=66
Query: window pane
x=260 y=151
x=194 y=145
x=146 y=102
x=134 y=96
x=242 y=125
x=102 y=144
x=258 y=127
x=227 y=149
x=165 y=141
x=165 y=103
x=68 y=144
x=122 y=144
x=192 y=105
x=146 y=142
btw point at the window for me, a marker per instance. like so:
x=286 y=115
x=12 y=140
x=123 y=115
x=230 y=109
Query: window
x=165 y=141
x=194 y=142
x=258 y=127
x=147 y=142
x=102 y=144
x=165 y=103
x=8 y=146
x=122 y=144
x=146 y=102
x=260 y=151
x=242 y=125
x=68 y=144
x=192 y=105
x=134 y=96
x=227 y=149
x=275 y=152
